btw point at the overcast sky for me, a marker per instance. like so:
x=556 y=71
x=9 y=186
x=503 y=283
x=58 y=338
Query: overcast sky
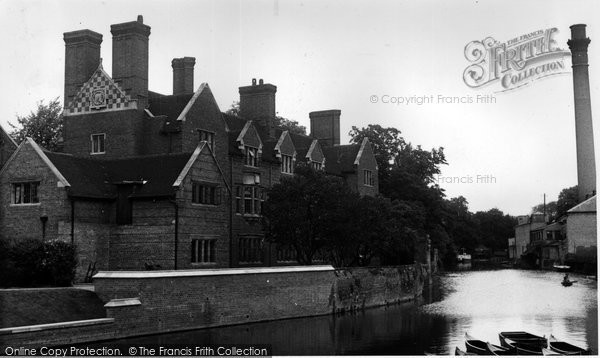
x=338 y=55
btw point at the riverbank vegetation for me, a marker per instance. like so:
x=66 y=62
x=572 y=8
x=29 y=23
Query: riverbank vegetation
x=36 y=263
x=319 y=216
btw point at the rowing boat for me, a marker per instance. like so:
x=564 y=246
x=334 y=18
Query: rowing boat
x=524 y=349
x=480 y=347
x=565 y=348
x=523 y=338
x=495 y=350
x=460 y=352
x=549 y=352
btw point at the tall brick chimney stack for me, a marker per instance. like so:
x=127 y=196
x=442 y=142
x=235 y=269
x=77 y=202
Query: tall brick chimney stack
x=586 y=165
x=130 y=58
x=257 y=103
x=325 y=126
x=82 y=57
x=183 y=75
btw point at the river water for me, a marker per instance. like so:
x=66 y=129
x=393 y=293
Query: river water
x=481 y=303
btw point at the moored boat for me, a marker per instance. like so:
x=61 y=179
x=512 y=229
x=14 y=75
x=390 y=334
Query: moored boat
x=549 y=352
x=480 y=347
x=495 y=350
x=460 y=352
x=522 y=337
x=524 y=349
x=565 y=348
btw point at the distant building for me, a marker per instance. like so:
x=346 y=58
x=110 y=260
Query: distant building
x=548 y=245
x=582 y=233
x=525 y=225
x=512 y=249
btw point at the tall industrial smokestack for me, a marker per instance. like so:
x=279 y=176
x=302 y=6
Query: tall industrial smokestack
x=586 y=165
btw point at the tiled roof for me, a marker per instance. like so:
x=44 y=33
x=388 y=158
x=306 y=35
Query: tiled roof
x=170 y=106
x=97 y=178
x=340 y=159
x=588 y=206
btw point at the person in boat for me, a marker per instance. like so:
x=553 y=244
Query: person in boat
x=566 y=278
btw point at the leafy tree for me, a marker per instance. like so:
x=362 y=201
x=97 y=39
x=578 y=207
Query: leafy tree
x=234 y=109
x=318 y=214
x=567 y=199
x=281 y=122
x=386 y=143
x=394 y=154
x=290 y=125
x=462 y=226
x=406 y=175
x=549 y=209
x=44 y=126
x=305 y=210
x=405 y=229
x=495 y=228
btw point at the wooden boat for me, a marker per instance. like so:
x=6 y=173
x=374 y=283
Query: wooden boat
x=460 y=352
x=522 y=338
x=565 y=348
x=567 y=283
x=524 y=349
x=480 y=347
x=549 y=352
x=495 y=350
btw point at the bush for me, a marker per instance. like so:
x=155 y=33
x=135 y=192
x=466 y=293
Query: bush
x=31 y=263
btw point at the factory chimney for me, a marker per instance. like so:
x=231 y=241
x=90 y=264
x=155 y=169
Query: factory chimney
x=586 y=165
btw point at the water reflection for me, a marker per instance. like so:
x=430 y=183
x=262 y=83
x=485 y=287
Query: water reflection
x=480 y=302
x=484 y=303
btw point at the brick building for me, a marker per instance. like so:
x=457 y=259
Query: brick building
x=582 y=233
x=147 y=180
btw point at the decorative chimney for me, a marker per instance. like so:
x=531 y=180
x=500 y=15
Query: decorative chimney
x=325 y=126
x=82 y=57
x=257 y=103
x=584 y=135
x=130 y=58
x=183 y=75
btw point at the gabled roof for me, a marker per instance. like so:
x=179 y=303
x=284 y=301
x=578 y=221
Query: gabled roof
x=363 y=145
x=8 y=139
x=315 y=148
x=248 y=127
x=588 y=206
x=190 y=103
x=340 y=159
x=113 y=97
x=42 y=154
x=170 y=106
x=92 y=178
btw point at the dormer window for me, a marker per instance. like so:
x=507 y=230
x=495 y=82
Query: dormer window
x=287 y=164
x=98 y=143
x=251 y=156
x=209 y=137
x=316 y=165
